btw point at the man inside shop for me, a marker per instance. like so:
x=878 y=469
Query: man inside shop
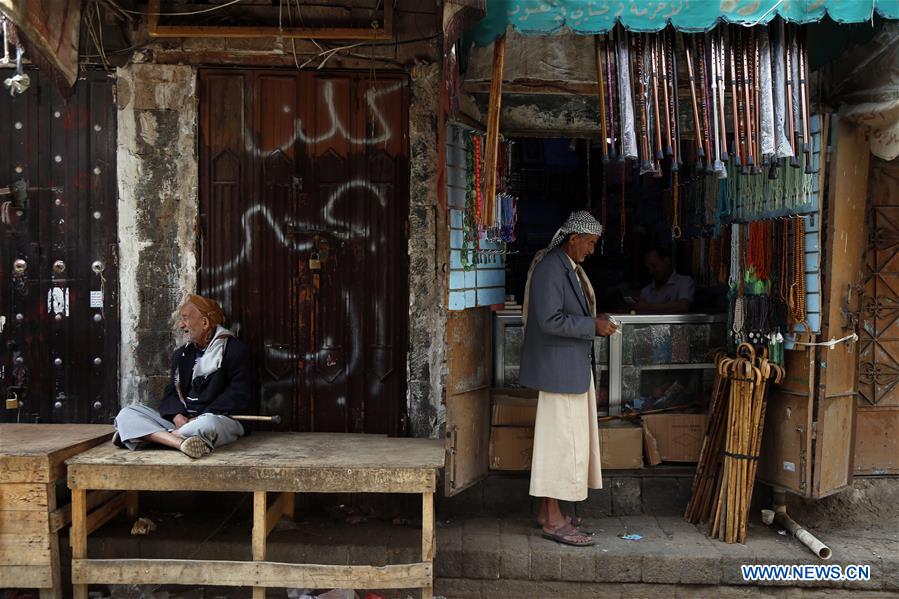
x=210 y=380
x=669 y=292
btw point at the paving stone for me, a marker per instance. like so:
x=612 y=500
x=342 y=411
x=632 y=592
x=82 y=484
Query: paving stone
x=515 y=561
x=481 y=554
x=579 y=563
x=645 y=526
x=480 y=525
x=469 y=501
x=546 y=559
x=661 y=569
x=612 y=567
x=889 y=579
x=457 y=588
x=662 y=497
x=516 y=589
x=506 y=495
x=448 y=560
x=598 y=503
x=626 y=496
x=879 y=573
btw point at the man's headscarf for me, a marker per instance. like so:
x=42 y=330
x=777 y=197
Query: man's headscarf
x=208 y=308
x=580 y=222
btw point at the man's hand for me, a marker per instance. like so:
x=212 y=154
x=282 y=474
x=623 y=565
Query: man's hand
x=604 y=326
x=180 y=420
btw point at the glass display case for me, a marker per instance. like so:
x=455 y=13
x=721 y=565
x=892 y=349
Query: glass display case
x=654 y=361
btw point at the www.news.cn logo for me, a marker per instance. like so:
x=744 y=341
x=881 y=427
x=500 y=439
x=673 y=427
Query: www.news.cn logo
x=805 y=572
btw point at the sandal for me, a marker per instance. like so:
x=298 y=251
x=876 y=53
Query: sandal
x=566 y=534
x=578 y=523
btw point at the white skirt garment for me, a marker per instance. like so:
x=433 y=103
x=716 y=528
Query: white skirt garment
x=566 y=459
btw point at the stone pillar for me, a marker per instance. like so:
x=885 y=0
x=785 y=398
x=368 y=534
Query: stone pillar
x=428 y=255
x=158 y=207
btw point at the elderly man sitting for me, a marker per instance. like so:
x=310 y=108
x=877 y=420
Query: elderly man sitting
x=210 y=380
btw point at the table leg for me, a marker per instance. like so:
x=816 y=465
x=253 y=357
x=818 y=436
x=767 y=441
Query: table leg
x=259 y=534
x=78 y=534
x=55 y=592
x=132 y=504
x=427 y=538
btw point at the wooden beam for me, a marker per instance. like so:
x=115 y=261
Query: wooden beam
x=381 y=32
x=28 y=577
x=533 y=86
x=492 y=143
x=259 y=574
x=63 y=516
x=282 y=506
x=106 y=512
x=427 y=539
x=151 y=477
x=78 y=534
x=260 y=531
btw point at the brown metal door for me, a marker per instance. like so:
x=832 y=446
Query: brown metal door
x=59 y=328
x=303 y=201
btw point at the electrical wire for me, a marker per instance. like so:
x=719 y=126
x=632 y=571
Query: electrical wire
x=178 y=14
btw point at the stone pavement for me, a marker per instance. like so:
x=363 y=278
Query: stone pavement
x=507 y=557
x=480 y=557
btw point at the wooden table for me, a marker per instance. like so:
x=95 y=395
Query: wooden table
x=32 y=461
x=263 y=463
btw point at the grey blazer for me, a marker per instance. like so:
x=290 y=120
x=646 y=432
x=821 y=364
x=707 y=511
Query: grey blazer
x=558 y=339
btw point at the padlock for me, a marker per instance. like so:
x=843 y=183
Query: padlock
x=315 y=262
x=12 y=403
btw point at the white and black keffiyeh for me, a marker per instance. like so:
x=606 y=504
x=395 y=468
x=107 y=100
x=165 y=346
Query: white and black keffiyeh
x=581 y=222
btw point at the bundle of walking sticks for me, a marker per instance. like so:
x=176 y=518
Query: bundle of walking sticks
x=725 y=474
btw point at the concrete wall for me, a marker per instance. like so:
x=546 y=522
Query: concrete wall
x=157 y=181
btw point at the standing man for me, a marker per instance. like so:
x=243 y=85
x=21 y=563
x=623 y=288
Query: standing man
x=557 y=360
x=210 y=380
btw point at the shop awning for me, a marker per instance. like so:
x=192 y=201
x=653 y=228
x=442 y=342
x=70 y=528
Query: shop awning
x=541 y=17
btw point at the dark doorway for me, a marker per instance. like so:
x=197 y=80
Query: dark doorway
x=59 y=323
x=303 y=208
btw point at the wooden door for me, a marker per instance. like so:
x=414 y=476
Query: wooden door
x=844 y=250
x=304 y=200
x=59 y=325
x=469 y=360
x=877 y=418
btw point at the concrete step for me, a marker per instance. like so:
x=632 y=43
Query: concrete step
x=507 y=557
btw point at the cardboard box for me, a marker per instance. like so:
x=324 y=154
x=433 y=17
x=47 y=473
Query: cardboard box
x=514 y=410
x=511 y=447
x=677 y=436
x=620 y=446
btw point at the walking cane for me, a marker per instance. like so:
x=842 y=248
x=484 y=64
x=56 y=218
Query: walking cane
x=704 y=104
x=803 y=83
x=668 y=149
x=700 y=152
x=643 y=114
x=738 y=157
x=718 y=165
x=750 y=147
x=788 y=47
x=721 y=101
x=655 y=101
x=598 y=50
x=611 y=39
x=274 y=419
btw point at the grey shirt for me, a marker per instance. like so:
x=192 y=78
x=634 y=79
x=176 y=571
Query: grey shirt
x=676 y=288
